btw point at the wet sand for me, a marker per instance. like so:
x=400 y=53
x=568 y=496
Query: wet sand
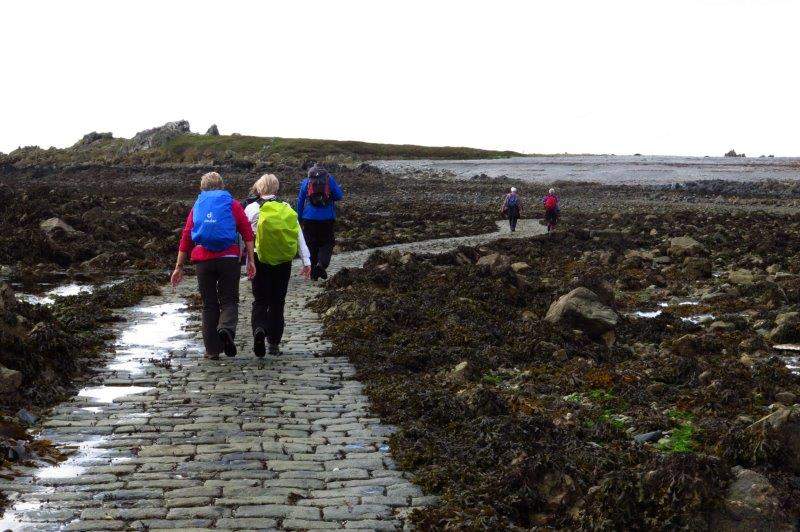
x=611 y=169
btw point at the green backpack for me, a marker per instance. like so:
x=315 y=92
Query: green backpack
x=276 y=233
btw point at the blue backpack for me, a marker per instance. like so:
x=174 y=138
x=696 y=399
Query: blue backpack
x=213 y=225
x=512 y=201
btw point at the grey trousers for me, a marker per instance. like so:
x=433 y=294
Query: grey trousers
x=218 y=281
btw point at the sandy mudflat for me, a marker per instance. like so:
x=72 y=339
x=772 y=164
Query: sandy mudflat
x=611 y=169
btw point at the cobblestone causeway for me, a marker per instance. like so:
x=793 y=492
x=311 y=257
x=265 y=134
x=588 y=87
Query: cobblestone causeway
x=165 y=439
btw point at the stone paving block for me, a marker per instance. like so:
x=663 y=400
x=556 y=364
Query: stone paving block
x=186 y=502
x=167 y=450
x=305 y=524
x=123 y=513
x=359 y=511
x=246 y=523
x=118 y=495
x=193 y=491
x=252 y=501
x=171 y=524
x=291 y=465
x=195 y=512
x=372 y=524
x=77 y=481
x=95 y=525
x=277 y=510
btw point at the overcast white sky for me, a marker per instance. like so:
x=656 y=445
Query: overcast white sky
x=670 y=77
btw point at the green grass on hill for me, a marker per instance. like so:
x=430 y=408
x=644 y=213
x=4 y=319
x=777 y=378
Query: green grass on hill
x=320 y=148
x=207 y=149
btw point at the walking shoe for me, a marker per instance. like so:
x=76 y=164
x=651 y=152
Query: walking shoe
x=227 y=342
x=322 y=273
x=274 y=350
x=314 y=273
x=211 y=356
x=258 y=343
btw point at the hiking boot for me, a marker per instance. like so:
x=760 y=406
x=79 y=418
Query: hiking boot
x=314 y=273
x=274 y=350
x=321 y=272
x=227 y=342
x=211 y=356
x=258 y=343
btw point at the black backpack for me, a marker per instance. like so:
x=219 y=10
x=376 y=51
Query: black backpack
x=319 y=187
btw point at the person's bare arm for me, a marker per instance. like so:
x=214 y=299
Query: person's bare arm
x=177 y=274
x=251 y=259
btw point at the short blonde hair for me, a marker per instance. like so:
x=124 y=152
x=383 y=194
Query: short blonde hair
x=211 y=181
x=267 y=185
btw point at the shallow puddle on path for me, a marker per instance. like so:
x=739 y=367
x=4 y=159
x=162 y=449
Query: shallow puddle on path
x=107 y=394
x=85 y=456
x=154 y=332
x=150 y=333
x=12 y=520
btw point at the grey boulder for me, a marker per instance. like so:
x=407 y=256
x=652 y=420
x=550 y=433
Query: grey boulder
x=582 y=309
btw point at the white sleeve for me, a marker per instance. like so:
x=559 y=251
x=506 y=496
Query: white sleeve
x=301 y=243
x=251 y=212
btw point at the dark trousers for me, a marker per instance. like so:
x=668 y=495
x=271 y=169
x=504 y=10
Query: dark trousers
x=513 y=216
x=320 y=240
x=218 y=281
x=269 y=297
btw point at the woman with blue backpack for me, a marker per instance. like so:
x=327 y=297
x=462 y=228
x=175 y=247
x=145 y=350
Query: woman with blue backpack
x=278 y=240
x=512 y=208
x=209 y=238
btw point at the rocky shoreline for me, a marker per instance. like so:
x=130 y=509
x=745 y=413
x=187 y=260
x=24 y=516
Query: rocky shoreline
x=628 y=371
x=487 y=364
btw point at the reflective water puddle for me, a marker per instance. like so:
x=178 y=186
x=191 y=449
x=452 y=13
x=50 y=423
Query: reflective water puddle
x=72 y=289
x=699 y=318
x=150 y=333
x=86 y=452
x=107 y=394
x=647 y=314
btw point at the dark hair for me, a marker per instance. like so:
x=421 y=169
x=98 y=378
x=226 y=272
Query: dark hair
x=317 y=171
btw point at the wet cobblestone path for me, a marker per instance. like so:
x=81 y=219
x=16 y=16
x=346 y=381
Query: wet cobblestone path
x=164 y=439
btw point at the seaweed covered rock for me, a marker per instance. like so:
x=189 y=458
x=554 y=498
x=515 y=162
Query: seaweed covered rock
x=684 y=246
x=781 y=432
x=741 y=277
x=495 y=262
x=10 y=380
x=751 y=504
x=582 y=309
x=7 y=297
x=697 y=267
x=522 y=423
x=55 y=226
x=787 y=328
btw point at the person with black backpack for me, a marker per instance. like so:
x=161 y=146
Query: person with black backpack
x=512 y=208
x=317 y=212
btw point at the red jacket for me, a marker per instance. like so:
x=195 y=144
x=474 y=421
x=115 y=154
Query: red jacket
x=199 y=253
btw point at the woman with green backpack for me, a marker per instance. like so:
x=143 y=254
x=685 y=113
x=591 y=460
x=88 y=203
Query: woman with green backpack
x=278 y=240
